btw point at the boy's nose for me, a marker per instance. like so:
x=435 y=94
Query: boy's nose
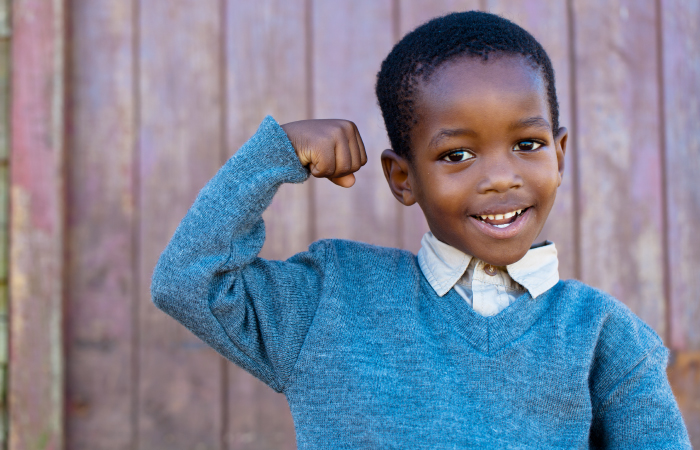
x=499 y=178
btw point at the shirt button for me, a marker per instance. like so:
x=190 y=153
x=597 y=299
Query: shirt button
x=489 y=269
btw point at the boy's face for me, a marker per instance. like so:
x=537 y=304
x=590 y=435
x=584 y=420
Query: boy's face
x=483 y=146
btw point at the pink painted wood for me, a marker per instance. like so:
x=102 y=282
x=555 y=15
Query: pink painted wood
x=100 y=238
x=681 y=73
x=181 y=380
x=351 y=38
x=205 y=73
x=413 y=13
x=266 y=61
x=36 y=380
x=619 y=153
x=548 y=23
x=681 y=114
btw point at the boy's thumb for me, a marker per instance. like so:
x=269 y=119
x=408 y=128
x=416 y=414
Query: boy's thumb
x=344 y=181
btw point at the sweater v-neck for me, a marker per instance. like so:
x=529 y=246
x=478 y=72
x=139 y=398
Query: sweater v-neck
x=490 y=334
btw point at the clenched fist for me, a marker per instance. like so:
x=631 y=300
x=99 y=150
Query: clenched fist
x=331 y=148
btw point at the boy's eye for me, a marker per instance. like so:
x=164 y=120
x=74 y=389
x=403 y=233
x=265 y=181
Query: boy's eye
x=458 y=155
x=527 y=145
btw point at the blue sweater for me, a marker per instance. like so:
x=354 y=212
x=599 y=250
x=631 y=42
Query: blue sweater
x=370 y=357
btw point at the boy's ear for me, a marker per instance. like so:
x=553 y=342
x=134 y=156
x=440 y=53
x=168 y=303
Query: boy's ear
x=560 y=141
x=396 y=173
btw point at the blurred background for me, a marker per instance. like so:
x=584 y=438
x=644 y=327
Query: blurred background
x=114 y=113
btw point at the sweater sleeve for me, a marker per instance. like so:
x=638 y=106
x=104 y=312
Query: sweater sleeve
x=633 y=405
x=254 y=312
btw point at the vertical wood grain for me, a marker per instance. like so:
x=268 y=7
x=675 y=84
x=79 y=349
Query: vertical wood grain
x=36 y=252
x=351 y=38
x=548 y=23
x=5 y=57
x=101 y=228
x=266 y=62
x=681 y=73
x=619 y=155
x=413 y=13
x=180 y=378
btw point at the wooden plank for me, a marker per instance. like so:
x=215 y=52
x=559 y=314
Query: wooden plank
x=259 y=418
x=267 y=74
x=101 y=228
x=681 y=114
x=36 y=252
x=5 y=58
x=548 y=23
x=5 y=38
x=684 y=376
x=180 y=392
x=620 y=161
x=681 y=73
x=413 y=13
x=351 y=38
x=4 y=319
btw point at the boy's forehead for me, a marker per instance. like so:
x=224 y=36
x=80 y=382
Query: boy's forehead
x=469 y=73
x=479 y=96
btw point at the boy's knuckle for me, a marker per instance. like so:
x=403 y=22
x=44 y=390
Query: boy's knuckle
x=322 y=170
x=338 y=133
x=344 y=168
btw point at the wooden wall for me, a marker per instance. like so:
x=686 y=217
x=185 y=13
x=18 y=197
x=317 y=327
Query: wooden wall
x=5 y=36
x=123 y=109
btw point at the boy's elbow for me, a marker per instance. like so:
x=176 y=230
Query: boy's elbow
x=176 y=290
x=161 y=291
x=164 y=288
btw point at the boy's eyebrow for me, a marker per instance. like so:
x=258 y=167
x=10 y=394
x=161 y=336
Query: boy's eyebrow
x=450 y=132
x=531 y=122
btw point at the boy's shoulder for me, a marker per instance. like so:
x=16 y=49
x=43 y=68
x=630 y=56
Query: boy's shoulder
x=361 y=252
x=354 y=261
x=587 y=300
x=621 y=338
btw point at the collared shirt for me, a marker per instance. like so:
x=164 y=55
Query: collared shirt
x=486 y=288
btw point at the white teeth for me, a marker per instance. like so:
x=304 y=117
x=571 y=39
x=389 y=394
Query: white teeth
x=502 y=226
x=500 y=216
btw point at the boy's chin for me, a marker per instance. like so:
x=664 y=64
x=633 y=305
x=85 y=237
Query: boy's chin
x=504 y=261
x=495 y=252
x=504 y=257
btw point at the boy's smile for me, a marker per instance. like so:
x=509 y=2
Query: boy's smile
x=485 y=165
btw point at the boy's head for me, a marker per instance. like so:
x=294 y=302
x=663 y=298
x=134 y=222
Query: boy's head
x=470 y=107
x=421 y=52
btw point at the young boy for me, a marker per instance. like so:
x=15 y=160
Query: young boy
x=474 y=343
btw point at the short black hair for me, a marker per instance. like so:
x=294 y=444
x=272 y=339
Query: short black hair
x=415 y=57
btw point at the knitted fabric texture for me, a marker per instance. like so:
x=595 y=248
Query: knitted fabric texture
x=370 y=357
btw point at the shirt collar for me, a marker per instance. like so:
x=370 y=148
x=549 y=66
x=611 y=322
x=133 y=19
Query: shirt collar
x=443 y=266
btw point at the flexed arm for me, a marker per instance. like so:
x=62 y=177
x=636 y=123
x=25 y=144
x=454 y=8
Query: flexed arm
x=253 y=311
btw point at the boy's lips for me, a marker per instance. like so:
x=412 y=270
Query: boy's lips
x=503 y=228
